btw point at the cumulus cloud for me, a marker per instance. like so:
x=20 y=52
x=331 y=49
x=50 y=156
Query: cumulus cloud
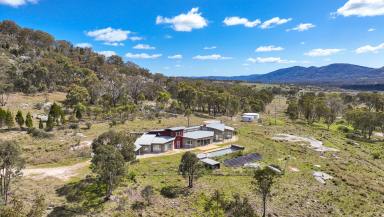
x=115 y=44
x=107 y=53
x=233 y=21
x=268 y=48
x=17 y=3
x=369 y=49
x=210 y=48
x=371 y=29
x=109 y=35
x=269 y=60
x=175 y=57
x=302 y=27
x=83 y=45
x=142 y=56
x=274 y=22
x=136 y=38
x=362 y=8
x=211 y=57
x=185 y=22
x=320 y=52
x=144 y=47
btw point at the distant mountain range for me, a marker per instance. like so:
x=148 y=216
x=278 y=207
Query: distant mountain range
x=334 y=74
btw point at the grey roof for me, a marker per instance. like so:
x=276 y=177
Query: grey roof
x=251 y=114
x=216 y=126
x=210 y=161
x=137 y=147
x=176 y=128
x=149 y=139
x=193 y=128
x=199 y=134
x=229 y=128
x=162 y=139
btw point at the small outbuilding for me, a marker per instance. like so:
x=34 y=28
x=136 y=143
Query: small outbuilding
x=250 y=117
x=211 y=164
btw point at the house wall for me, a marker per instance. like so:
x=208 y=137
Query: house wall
x=228 y=134
x=158 y=148
x=192 y=143
x=178 y=142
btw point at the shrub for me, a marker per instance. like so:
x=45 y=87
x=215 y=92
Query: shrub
x=88 y=125
x=138 y=205
x=343 y=129
x=39 y=133
x=173 y=191
x=73 y=126
x=376 y=155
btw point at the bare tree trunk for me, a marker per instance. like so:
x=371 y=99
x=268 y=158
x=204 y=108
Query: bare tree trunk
x=264 y=205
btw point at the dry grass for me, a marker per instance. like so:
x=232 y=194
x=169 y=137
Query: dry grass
x=356 y=190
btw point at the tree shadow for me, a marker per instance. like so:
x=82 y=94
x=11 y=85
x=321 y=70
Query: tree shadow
x=82 y=196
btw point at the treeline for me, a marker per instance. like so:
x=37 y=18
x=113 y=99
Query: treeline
x=316 y=107
x=363 y=111
x=37 y=62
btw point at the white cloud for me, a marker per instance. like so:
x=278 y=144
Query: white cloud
x=211 y=57
x=274 y=22
x=210 y=48
x=176 y=56
x=144 y=47
x=302 y=27
x=233 y=21
x=109 y=35
x=268 y=48
x=369 y=49
x=143 y=56
x=177 y=66
x=17 y=3
x=83 y=45
x=185 y=22
x=269 y=60
x=371 y=30
x=136 y=38
x=107 y=53
x=115 y=44
x=322 y=52
x=362 y=8
x=168 y=36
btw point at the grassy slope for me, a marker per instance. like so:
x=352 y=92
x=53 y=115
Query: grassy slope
x=357 y=189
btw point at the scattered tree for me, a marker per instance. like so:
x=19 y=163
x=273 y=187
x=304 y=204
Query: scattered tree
x=11 y=164
x=263 y=182
x=190 y=167
x=109 y=164
x=19 y=119
x=28 y=121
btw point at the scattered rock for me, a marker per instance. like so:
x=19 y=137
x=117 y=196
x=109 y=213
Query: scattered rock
x=321 y=177
x=315 y=144
x=294 y=169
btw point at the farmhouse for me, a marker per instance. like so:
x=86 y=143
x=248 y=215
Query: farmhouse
x=164 y=140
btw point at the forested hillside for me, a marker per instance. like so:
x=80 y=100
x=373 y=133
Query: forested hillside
x=33 y=61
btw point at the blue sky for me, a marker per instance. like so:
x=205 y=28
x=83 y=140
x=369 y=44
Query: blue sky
x=214 y=37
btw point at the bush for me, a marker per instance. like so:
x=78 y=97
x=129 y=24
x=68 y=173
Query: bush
x=343 y=129
x=173 y=191
x=73 y=126
x=376 y=155
x=88 y=125
x=39 y=133
x=138 y=205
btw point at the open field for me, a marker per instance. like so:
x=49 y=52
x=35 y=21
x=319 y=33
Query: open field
x=356 y=190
